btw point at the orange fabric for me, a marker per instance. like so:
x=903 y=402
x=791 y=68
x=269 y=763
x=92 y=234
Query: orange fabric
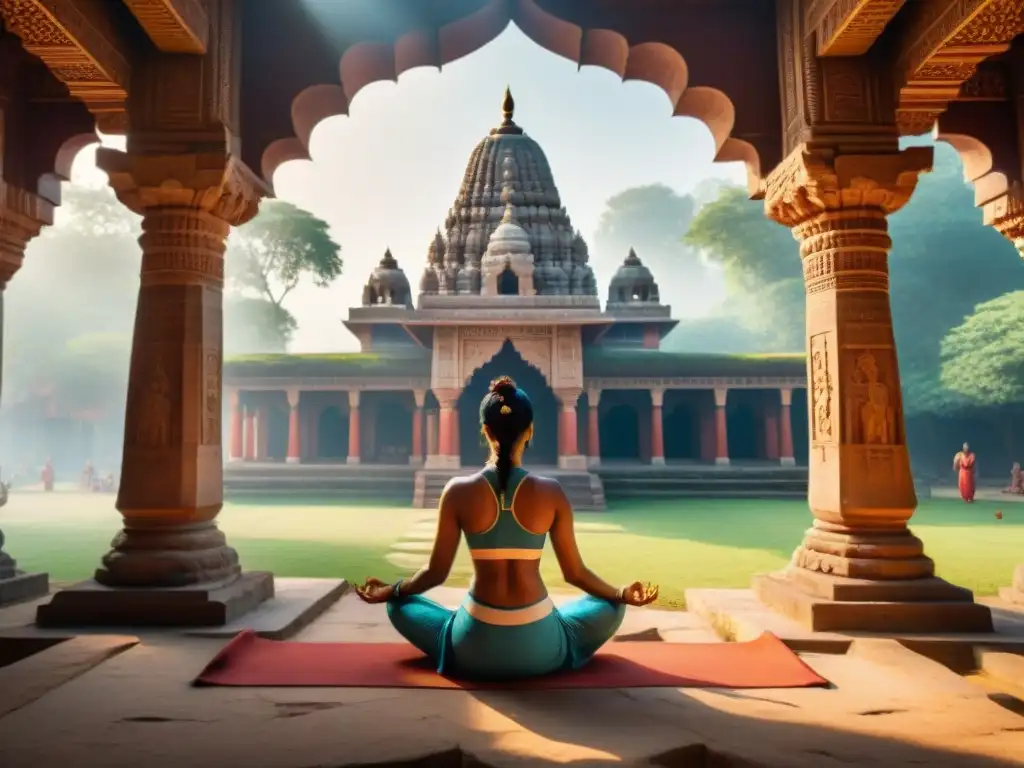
x=966 y=480
x=766 y=662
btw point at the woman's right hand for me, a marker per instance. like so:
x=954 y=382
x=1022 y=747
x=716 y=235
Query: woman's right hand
x=638 y=593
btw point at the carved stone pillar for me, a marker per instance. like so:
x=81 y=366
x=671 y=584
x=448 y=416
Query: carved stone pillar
x=568 y=431
x=236 y=425
x=172 y=471
x=355 y=439
x=593 y=427
x=859 y=567
x=431 y=419
x=416 y=454
x=22 y=216
x=657 y=427
x=721 y=428
x=250 y=433
x=447 y=429
x=786 y=458
x=294 y=454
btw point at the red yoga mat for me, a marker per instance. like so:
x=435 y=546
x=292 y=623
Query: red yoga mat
x=766 y=662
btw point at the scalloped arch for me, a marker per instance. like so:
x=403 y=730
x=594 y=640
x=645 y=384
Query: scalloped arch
x=979 y=168
x=48 y=185
x=656 y=63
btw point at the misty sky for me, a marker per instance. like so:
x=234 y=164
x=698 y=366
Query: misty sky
x=387 y=174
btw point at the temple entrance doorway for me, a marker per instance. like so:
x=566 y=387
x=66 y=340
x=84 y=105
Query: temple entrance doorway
x=332 y=434
x=681 y=424
x=277 y=433
x=388 y=438
x=744 y=414
x=543 y=450
x=619 y=424
x=508 y=283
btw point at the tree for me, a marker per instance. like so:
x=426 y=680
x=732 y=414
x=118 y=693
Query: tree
x=273 y=252
x=650 y=219
x=983 y=357
x=256 y=325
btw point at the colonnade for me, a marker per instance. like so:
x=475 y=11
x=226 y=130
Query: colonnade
x=435 y=431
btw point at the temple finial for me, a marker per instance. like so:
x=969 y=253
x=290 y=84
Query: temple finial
x=508 y=107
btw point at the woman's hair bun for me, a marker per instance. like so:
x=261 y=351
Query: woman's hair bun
x=503 y=386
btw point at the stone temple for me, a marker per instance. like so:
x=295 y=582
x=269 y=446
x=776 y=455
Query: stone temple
x=507 y=288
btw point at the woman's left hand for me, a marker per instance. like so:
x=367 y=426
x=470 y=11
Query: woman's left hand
x=374 y=591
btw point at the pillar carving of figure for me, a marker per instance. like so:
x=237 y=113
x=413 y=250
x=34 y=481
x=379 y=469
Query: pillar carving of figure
x=786 y=458
x=859 y=556
x=171 y=486
x=294 y=454
x=721 y=428
x=22 y=217
x=1006 y=214
x=568 y=432
x=416 y=454
x=657 y=427
x=250 y=433
x=593 y=427
x=236 y=425
x=355 y=440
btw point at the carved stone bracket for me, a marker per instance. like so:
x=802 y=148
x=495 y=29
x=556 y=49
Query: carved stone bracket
x=22 y=217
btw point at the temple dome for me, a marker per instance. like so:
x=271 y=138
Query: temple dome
x=387 y=284
x=507 y=169
x=632 y=282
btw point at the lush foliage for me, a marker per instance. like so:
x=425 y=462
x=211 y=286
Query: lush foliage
x=983 y=357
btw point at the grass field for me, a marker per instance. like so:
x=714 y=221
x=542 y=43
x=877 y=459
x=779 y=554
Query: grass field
x=692 y=543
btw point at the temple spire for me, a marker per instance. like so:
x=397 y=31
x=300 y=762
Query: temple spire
x=508 y=108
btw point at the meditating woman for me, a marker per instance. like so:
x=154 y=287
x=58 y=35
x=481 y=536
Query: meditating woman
x=507 y=628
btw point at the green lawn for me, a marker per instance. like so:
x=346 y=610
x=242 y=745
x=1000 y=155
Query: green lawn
x=677 y=544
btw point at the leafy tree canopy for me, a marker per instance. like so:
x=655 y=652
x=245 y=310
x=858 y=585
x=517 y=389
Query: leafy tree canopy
x=272 y=253
x=983 y=357
x=256 y=325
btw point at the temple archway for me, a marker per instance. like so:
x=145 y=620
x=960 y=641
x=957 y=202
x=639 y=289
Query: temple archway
x=744 y=426
x=681 y=427
x=391 y=431
x=508 y=283
x=332 y=434
x=277 y=433
x=620 y=433
x=543 y=449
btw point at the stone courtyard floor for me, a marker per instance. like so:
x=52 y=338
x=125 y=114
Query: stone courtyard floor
x=109 y=701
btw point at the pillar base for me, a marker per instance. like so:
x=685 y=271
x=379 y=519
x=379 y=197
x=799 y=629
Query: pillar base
x=23 y=586
x=658 y=461
x=593 y=461
x=572 y=462
x=442 y=462
x=353 y=460
x=722 y=461
x=415 y=461
x=90 y=604
x=293 y=460
x=787 y=461
x=235 y=460
x=826 y=603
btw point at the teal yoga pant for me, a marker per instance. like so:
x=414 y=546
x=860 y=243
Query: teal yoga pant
x=464 y=646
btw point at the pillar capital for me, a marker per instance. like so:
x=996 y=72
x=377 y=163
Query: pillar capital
x=420 y=397
x=593 y=397
x=294 y=395
x=814 y=181
x=721 y=394
x=657 y=397
x=234 y=398
x=568 y=398
x=22 y=217
x=353 y=398
x=1006 y=215
x=447 y=398
x=786 y=395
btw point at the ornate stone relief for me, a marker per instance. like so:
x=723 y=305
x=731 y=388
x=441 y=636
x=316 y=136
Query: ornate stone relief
x=22 y=216
x=821 y=389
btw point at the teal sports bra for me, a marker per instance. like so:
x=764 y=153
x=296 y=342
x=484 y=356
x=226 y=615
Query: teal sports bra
x=506 y=539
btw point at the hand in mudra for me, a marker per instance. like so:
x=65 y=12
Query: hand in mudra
x=639 y=593
x=374 y=591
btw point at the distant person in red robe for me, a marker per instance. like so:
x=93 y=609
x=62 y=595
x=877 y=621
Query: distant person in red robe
x=963 y=463
x=1016 y=481
x=47 y=476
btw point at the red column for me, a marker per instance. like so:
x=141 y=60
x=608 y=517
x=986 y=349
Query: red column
x=294 y=431
x=721 y=428
x=447 y=428
x=657 y=427
x=237 y=426
x=786 y=425
x=431 y=433
x=354 y=437
x=416 y=454
x=456 y=429
x=593 y=427
x=250 y=435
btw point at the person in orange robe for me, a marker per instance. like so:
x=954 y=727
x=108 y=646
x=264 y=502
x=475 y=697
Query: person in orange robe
x=963 y=463
x=1016 y=480
x=47 y=476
